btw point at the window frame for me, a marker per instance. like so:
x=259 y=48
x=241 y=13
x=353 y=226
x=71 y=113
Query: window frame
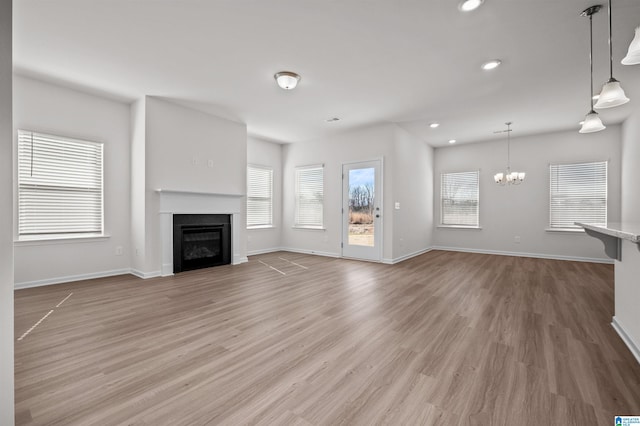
x=270 y=197
x=442 y=223
x=572 y=227
x=296 y=216
x=36 y=187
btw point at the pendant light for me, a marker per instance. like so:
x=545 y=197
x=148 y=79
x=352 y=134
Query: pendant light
x=633 y=55
x=612 y=94
x=508 y=178
x=592 y=122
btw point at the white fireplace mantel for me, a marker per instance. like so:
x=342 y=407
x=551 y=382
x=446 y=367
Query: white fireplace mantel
x=191 y=202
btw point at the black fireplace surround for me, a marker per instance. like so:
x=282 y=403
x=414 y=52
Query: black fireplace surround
x=201 y=241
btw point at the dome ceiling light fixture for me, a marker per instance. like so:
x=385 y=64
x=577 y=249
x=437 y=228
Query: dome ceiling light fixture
x=592 y=122
x=491 y=65
x=612 y=94
x=469 y=5
x=287 y=80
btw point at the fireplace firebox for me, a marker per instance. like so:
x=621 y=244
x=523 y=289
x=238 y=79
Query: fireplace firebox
x=201 y=241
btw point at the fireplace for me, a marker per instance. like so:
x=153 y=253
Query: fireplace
x=201 y=241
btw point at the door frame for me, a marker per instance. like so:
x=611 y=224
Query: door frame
x=380 y=228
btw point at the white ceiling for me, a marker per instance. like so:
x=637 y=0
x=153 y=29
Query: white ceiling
x=368 y=61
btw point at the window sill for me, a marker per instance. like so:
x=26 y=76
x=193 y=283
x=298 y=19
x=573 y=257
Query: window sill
x=566 y=230
x=458 y=227
x=250 y=228
x=310 y=228
x=43 y=241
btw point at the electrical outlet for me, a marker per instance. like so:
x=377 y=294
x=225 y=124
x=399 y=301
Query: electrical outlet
x=210 y=164
x=516 y=239
x=397 y=205
x=194 y=161
x=119 y=251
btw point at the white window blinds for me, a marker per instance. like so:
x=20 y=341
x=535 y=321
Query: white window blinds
x=459 y=195
x=578 y=193
x=309 y=197
x=59 y=186
x=259 y=196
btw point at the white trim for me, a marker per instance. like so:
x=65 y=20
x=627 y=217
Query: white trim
x=237 y=260
x=304 y=251
x=406 y=256
x=71 y=278
x=459 y=227
x=145 y=275
x=576 y=231
x=264 y=251
x=524 y=254
x=42 y=241
x=633 y=347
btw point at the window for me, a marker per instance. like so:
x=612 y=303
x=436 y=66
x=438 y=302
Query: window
x=578 y=193
x=259 y=196
x=459 y=195
x=309 y=197
x=59 y=186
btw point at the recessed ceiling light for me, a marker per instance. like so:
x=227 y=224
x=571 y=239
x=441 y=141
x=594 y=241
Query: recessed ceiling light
x=581 y=123
x=434 y=125
x=469 y=5
x=287 y=80
x=596 y=97
x=332 y=119
x=452 y=141
x=491 y=65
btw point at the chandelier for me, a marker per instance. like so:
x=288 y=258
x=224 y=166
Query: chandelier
x=508 y=178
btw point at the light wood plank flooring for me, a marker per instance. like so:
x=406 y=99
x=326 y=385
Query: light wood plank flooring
x=443 y=338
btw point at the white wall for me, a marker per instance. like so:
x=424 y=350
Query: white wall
x=627 y=272
x=58 y=110
x=506 y=212
x=367 y=144
x=6 y=220
x=264 y=153
x=407 y=171
x=413 y=189
x=138 y=182
x=189 y=150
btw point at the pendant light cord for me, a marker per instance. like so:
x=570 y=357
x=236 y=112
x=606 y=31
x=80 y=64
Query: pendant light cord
x=610 y=45
x=591 y=56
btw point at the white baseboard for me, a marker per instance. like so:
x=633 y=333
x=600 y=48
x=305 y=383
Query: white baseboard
x=70 y=278
x=633 y=347
x=264 y=251
x=522 y=254
x=237 y=260
x=145 y=275
x=406 y=256
x=303 y=251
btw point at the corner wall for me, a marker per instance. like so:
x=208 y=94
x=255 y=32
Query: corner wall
x=6 y=218
x=264 y=153
x=510 y=211
x=627 y=272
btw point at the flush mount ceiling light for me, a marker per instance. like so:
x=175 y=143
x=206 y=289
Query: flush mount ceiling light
x=287 y=80
x=508 y=178
x=491 y=65
x=452 y=141
x=469 y=5
x=592 y=122
x=612 y=94
x=434 y=125
x=633 y=55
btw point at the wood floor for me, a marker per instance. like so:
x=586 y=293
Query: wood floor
x=441 y=339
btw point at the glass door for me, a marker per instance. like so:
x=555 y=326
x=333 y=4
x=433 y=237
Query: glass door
x=362 y=210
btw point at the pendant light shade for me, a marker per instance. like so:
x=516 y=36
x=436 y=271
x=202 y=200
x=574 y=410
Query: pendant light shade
x=633 y=55
x=612 y=94
x=592 y=123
